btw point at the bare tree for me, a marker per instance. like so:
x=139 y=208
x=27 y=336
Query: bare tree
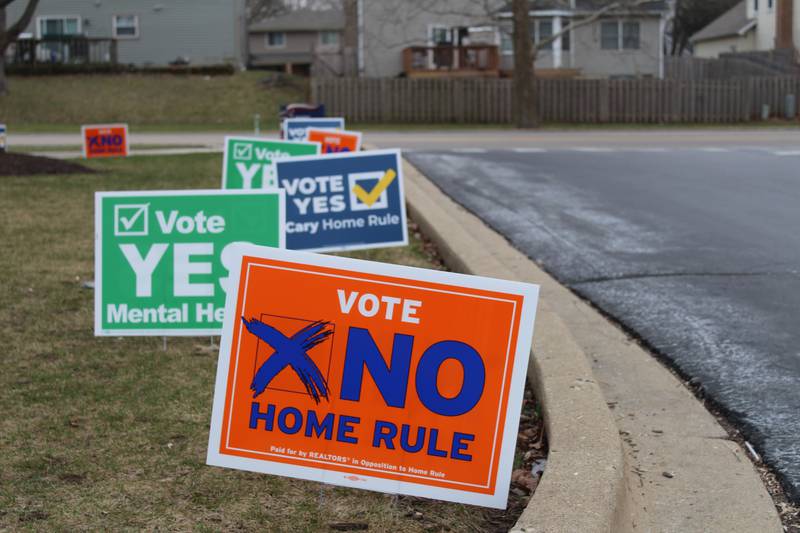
x=263 y=9
x=525 y=52
x=524 y=91
x=9 y=34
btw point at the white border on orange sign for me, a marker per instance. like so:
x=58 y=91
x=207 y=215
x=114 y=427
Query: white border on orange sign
x=499 y=498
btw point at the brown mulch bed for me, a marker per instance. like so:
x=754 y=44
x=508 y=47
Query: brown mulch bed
x=28 y=165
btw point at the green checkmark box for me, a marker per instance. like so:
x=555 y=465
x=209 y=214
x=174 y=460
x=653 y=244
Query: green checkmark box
x=243 y=151
x=131 y=219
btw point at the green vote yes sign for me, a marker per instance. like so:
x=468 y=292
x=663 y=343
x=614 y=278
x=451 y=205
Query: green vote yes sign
x=247 y=161
x=162 y=258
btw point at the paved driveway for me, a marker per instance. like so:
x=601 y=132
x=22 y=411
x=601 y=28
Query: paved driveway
x=696 y=250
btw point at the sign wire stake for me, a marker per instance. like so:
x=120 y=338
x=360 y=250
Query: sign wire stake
x=321 y=499
x=165 y=343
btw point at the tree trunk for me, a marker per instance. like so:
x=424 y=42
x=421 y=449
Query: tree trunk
x=10 y=33
x=3 y=46
x=3 y=83
x=524 y=96
x=350 y=39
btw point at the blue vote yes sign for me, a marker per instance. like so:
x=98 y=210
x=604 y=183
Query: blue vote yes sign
x=347 y=201
x=295 y=129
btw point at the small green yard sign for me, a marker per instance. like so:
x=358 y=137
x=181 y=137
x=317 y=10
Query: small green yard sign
x=248 y=161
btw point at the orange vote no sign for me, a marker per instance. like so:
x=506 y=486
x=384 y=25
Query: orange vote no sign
x=373 y=376
x=335 y=141
x=106 y=140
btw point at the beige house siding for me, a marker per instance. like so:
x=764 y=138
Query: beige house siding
x=587 y=55
x=712 y=49
x=300 y=48
x=593 y=61
x=296 y=41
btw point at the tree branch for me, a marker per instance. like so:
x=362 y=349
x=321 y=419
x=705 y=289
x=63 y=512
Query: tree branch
x=15 y=29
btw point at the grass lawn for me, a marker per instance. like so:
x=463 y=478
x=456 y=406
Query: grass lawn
x=146 y=102
x=111 y=433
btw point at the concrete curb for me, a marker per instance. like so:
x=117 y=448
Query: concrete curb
x=658 y=461
x=585 y=462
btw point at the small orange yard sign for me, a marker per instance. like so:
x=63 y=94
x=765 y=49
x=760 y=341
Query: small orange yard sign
x=105 y=140
x=335 y=141
x=374 y=376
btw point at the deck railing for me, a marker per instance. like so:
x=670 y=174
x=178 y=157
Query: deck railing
x=63 y=50
x=431 y=61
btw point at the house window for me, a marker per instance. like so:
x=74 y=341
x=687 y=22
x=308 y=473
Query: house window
x=545 y=29
x=609 y=35
x=619 y=35
x=57 y=26
x=276 y=39
x=440 y=35
x=126 y=26
x=506 y=42
x=630 y=35
x=329 y=38
x=541 y=30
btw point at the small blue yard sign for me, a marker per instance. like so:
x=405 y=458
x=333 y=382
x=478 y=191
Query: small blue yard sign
x=295 y=129
x=347 y=201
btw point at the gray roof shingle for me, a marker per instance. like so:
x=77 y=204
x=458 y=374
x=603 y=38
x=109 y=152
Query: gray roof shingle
x=730 y=24
x=302 y=20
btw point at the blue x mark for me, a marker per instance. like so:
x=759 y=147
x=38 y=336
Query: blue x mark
x=290 y=352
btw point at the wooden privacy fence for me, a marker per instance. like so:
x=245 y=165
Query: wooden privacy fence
x=576 y=101
x=722 y=68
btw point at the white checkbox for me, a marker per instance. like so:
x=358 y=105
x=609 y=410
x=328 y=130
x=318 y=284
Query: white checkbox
x=131 y=220
x=242 y=151
x=374 y=178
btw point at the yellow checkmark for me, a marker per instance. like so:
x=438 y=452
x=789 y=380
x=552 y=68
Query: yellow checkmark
x=371 y=197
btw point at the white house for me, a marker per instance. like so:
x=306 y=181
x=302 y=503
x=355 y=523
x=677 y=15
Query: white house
x=751 y=25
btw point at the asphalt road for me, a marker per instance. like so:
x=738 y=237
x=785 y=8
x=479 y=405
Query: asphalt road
x=694 y=249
